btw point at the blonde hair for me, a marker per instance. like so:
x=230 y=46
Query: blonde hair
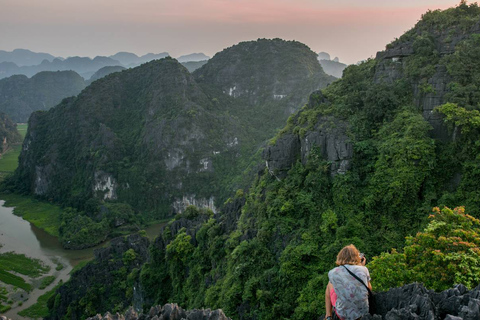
x=348 y=255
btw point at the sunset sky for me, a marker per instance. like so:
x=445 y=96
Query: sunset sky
x=353 y=30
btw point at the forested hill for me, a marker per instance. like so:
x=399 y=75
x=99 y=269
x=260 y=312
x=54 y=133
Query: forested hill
x=20 y=96
x=155 y=138
x=363 y=162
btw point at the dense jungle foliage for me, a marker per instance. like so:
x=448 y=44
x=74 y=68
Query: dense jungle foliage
x=273 y=263
x=148 y=136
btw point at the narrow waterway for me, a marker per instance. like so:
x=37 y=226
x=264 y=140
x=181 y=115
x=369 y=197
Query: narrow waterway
x=22 y=237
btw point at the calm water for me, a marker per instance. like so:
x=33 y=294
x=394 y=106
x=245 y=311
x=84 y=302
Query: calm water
x=19 y=235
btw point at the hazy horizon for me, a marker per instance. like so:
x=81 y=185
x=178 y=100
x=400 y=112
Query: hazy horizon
x=347 y=29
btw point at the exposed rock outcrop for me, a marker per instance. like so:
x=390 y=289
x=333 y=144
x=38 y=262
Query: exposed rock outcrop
x=392 y=63
x=413 y=301
x=169 y=311
x=329 y=135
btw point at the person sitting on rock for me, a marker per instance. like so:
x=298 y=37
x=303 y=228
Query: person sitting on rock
x=347 y=296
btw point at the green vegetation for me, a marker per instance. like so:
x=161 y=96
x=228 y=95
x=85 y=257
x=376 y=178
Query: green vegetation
x=42 y=214
x=20 y=263
x=46 y=281
x=290 y=231
x=79 y=266
x=155 y=138
x=40 y=308
x=447 y=252
x=9 y=161
x=270 y=250
x=4 y=299
x=8 y=278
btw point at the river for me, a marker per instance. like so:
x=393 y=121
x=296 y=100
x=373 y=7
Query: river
x=20 y=236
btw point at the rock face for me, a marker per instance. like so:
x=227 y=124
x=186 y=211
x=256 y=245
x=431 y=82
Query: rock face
x=169 y=311
x=413 y=301
x=328 y=135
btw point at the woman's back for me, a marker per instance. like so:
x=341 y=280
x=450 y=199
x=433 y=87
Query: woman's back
x=352 y=296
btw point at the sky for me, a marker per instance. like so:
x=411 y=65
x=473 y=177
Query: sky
x=351 y=30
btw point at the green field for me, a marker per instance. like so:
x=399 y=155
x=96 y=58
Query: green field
x=22 y=129
x=21 y=264
x=44 y=215
x=16 y=281
x=9 y=161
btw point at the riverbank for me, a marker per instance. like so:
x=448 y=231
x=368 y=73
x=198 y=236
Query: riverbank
x=43 y=215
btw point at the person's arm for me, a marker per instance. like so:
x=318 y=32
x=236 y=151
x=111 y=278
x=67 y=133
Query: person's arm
x=328 y=302
x=369 y=285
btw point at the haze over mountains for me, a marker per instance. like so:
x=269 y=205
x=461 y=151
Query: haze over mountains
x=26 y=62
x=19 y=97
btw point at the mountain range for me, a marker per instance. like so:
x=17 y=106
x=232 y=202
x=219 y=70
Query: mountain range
x=158 y=138
x=376 y=159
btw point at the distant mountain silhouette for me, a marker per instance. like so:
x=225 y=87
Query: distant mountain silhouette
x=193 y=57
x=84 y=66
x=332 y=67
x=23 y=57
x=128 y=59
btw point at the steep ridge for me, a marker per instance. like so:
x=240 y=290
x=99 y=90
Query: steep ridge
x=360 y=163
x=20 y=96
x=153 y=138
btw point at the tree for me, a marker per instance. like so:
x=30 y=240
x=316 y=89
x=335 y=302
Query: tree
x=447 y=252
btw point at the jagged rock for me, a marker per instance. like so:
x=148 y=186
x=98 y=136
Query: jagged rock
x=170 y=311
x=413 y=301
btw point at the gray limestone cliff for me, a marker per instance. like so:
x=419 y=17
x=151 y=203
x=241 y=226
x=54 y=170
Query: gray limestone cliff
x=328 y=135
x=430 y=89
